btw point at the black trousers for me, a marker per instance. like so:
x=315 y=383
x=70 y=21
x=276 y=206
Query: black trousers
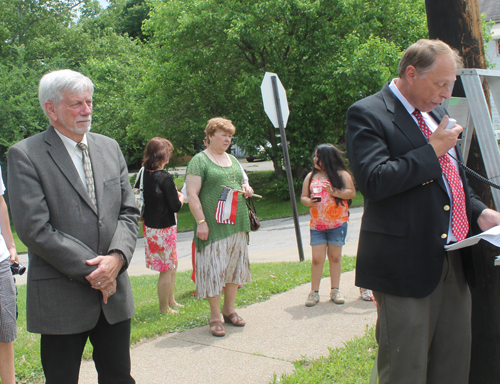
x=62 y=354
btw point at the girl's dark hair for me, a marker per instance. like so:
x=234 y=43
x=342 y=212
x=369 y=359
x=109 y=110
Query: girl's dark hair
x=157 y=152
x=331 y=160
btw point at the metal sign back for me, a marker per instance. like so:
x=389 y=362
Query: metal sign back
x=276 y=108
x=268 y=99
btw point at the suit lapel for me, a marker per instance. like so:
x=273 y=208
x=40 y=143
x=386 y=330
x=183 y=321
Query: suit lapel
x=402 y=119
x=61 y=158
x=97 y=160
x=410 y=129
x=405 y=123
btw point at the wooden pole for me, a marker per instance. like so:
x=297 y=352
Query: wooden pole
x=458 y=23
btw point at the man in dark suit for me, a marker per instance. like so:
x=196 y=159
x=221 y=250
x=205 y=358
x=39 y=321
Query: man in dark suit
x=416 y=201
x=73 y=207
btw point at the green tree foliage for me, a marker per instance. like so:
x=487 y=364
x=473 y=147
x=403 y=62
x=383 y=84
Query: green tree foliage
x=125 y=17
x=131 y=17
x=41 y=36
x=118 y=80
x=20 y=115
x=35 y=37
x=202 y=59
x=211 y=57
x=40 y=26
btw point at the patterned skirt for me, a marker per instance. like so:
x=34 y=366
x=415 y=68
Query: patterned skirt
x=224 y=261
x=161 y=248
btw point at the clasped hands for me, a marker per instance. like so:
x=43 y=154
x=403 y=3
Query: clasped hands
x=104 y=277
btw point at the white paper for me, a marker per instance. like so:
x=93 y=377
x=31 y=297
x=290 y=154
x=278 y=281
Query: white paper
x=492 y=236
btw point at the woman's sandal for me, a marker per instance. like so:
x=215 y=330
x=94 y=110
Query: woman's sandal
x=234 y=319
x=367 y=295
x=217 y=328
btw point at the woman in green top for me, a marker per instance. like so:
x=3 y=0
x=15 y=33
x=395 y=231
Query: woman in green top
x=221 y=249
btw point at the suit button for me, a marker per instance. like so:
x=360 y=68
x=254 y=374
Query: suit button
x=100 y=223
x=446 y=207
x=444 y=236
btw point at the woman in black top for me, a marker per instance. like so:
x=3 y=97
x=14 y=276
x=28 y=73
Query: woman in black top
x=161 y=202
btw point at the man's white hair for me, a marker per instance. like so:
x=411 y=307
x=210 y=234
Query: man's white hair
x=53 y=85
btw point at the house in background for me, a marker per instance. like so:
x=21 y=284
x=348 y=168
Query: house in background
x=492 y=51
x=491 y=8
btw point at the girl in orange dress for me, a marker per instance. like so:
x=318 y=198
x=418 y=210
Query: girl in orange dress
x=326 y=192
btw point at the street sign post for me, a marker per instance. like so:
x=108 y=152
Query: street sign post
x=276 y=107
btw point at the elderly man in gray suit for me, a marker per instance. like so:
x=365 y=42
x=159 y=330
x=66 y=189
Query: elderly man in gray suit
x=73 y=207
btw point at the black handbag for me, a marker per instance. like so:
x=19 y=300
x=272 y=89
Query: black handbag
x=252 y=215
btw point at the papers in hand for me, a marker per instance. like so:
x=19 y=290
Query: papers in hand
x=492 y=236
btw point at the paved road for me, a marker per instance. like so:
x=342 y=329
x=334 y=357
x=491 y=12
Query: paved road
x=254 y=166
x=276 y=235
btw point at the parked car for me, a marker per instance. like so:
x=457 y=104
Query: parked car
x=259 y=153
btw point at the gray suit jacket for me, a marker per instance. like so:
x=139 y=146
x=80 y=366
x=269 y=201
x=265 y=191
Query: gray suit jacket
x=55 y=218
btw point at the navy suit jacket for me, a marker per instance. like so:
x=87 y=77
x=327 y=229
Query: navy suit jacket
x=407 y=208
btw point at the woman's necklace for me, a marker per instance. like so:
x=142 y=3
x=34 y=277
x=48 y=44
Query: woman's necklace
x=234 y=173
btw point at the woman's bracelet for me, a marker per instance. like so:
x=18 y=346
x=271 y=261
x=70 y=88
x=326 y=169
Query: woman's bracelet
x=201 y=222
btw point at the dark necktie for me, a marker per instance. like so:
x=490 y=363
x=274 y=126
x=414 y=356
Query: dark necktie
x=89 y=176
x=460 y=224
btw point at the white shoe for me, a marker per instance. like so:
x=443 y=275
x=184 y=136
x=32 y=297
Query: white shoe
x=367 y=294
x=312 y=299
x=337 y=297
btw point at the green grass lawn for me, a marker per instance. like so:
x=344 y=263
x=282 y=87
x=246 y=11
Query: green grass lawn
x=351 y=364
x=267 y=279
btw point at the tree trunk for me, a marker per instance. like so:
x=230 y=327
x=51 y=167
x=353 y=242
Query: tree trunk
x=278 y=170
x=458 y=23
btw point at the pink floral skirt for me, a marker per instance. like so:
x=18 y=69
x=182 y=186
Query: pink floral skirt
x=161 y=248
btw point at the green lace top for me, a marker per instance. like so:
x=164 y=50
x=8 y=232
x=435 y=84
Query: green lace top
x=212 y=179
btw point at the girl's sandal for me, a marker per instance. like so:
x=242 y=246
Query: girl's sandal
x=217 y=328
x=367 y=295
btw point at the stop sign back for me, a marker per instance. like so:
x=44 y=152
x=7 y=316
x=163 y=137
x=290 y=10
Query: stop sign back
x=268 y=99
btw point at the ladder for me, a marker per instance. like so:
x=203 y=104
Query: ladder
x=480 y=119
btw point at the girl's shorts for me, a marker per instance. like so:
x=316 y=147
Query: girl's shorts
x=335 y=236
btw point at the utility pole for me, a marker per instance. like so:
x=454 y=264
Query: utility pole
x=458 y=23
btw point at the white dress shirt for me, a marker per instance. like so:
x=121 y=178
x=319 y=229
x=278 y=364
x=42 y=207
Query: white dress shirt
x=75 y=153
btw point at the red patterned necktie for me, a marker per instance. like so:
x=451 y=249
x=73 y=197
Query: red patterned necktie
x=460 y=224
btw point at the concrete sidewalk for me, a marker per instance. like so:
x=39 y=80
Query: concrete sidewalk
x=278 y=331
